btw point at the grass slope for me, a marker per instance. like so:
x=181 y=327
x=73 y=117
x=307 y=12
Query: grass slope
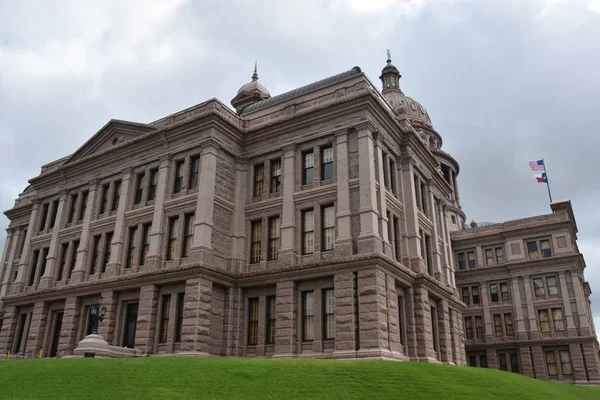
x=230 y=378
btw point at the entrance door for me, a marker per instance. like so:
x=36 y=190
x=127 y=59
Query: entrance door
x=56 y=334
x=131 y=312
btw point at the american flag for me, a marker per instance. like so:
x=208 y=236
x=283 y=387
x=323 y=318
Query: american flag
x=537 y=165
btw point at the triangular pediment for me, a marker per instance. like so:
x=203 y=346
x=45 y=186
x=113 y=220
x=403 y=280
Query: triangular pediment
x=112 y=134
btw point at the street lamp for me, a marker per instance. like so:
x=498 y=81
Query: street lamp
x=97 y=315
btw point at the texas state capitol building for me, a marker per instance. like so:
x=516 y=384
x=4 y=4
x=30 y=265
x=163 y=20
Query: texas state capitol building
x=322 y=222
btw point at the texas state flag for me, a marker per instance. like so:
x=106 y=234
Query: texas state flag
x=541 y=178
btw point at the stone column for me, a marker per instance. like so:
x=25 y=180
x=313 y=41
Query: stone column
x=533 y=327
x=578 y=364
x=19 y=284
x=392 y=306
x=539 y=363
x=519 y=320
x=146 y=320
x=592 y=361
x=78 y=205
x=82 y=251
x=444 y=332
x=492 y=358
x=52 y=258
x=343 y=240
x=372 y=312
x=424 y=335
x=8 y=271
x=154 y=257
x=70 y=322
x=107 y=327
x=411 y=325
x=526 y=365
x=584 y=325
x=9 y=327
x=487 y=318
x=571 y=329
x=35 y=336
x=118 y=243
x=287 y=253
x=436 y=253
x=455 y=321
x=195 y=333
x=238 y=236
x=345 y=316
x=410 y=257
x=368 y=240
x=201 y=250
x=234 y=315
x=287 y=311
x=8 y=245
x=383 y=220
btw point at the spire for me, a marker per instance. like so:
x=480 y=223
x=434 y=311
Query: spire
x=255 y=74
x=389 y=55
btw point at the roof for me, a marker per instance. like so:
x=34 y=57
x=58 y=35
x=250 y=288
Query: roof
x=301 y=90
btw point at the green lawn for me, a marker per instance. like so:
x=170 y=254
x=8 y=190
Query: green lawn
x=231 y=378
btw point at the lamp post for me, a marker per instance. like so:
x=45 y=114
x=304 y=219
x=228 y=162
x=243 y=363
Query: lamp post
x=97 y=315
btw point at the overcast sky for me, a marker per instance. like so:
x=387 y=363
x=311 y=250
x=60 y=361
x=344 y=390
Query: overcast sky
x=504 y=82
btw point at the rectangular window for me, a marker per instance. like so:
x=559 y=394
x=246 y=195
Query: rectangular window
x=275 y=176
x=271 y=319
x=72 y=208
x=256 y=245
x=308 y=315
x=466 y=297
x=131 y=248
x=44 y=216
x=434 y=328
x=328 y=236
x=107 y=251
x=392 y=176
x=417 y=193
x=552 y=286
x=116 y=196
x=179 y=322
x=22 y=244
x=504 y=292
x=194 y=172
x=544 y=321
x=95 y=254
x=401 y=319
x=532 y=249
x=152 y=184
x=164 y=318
x=494 y=292
x=54 y=214
x=145 y=243
x=545 y=248
x=499 y=255
x=308 y=169
x=104 y=199
x=253 y=321
x=551 y=364
x=565 y=362
x=173 y=236
x=384 y=164
x=308 y=231
x=428 y=255
x=462 y=261
x=139 y=188
x=424 y=197
x=83 y=209
x=44 y=261
x=557 y=318
x=188 y=235
x=259 y=180
x=73 y=258
x=489 y=257
x=479 y=326
x=469 y=327
x=327 y=163
x=63 y=260
x=508 y=324
x=178 y=184
x=274 y=233
x=475 y=293
x=328 y=314
x=538 y=285
x=472 y=260
x=397 y=238
x=498 y=325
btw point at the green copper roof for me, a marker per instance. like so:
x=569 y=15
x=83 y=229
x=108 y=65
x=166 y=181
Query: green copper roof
x=300 y=91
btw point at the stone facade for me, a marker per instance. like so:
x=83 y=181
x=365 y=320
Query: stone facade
x=316 y=223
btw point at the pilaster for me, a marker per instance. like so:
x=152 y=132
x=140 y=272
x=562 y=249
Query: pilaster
x=52 y=258
x=424 y=334
x=154 y=258
x=19 y=284
x=519 y=320
x=35 y=335
x=82 y=251
x=239 y=216
x=146 y=319
x=287 y=310
x=533 y=327
x=195 y=333
x=70 y=322
x=345 y=315
x=343 y=240
x=584 y=325
x=107 y=327
x=571 y=329
x=287 y=253
x=445 y=332
x=116 y=256
x=383 y=219
x=369 y=240
x=8 y=271
x=9 y=327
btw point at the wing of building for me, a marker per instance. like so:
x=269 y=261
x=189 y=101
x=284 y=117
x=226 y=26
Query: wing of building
x=321 y=222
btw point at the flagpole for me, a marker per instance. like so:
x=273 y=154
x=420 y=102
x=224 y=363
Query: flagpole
x=547 y=180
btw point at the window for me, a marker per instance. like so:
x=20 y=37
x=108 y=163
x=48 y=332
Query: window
x=551 y=364
x=552 y=286
x=178 y=184
x=104 y=199
x=271 y=319
x=164 y=318
x=73 y=258
x=475 y=293
x=116 y=196
x=499 y=255
x=54 y=214
x=194 y=172
x=44 y=216
x=532 y=249
x=471 y=257
x=173 y=235
x=565 y=362
x=179 y=324
x=392 y=176
x=498 y=325
x=538 y=285
x=274 y=233
x=494 y=292
x=384 y=165
x=308 y=315
x=152 y=184
x=63 y=261
x=466 y=297
x=188 y=235
x=259 y=180
x=328 y=314
x=131 y=247
x=275 y=176
x=427 y=253
x=508 y=324
x=489 y=256
x=544 y=321
x=327 y=163
x=401 y=319
x=462 y=262
x=557 y=318
x=73 y=208
x=479 y=326
x=328 y=236
x=424 y=197
x=434 y=327
x=83 y=209
x=545 y=247
x=95 y=254
x=145 y=243
x=19 y=254
x=397 y=249
x=139 y=188
x=308 y=160
x=44 y=261
x=494 y=256
x=417 y=193
x=308 y=231
x=256 y=242
x=107 y=251
x=253 y=321
x=469 y=327
x=504 y=292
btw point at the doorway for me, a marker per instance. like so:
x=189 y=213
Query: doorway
x=131 y=312
x=58 y=318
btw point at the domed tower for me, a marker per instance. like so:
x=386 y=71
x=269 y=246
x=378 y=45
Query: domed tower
x=250 y=93
x=411 y=110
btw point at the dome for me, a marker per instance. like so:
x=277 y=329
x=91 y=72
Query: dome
x=254 y=85
x=407 y=106
x=250 y=93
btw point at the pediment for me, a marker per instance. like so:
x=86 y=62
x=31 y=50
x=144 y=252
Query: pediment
x=112 y=134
